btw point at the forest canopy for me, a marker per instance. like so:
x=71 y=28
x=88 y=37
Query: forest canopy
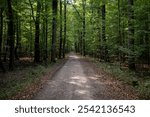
x=111 y=30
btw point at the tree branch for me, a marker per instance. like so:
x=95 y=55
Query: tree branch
x=77 y=11
x=32 y=10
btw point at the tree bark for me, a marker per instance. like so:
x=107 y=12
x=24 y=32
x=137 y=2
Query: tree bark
x=17 y=38
x=11 y=34
x=60 y=43
x=31 y=37
x=147 y=39
x=46 y=32
x=104 y=46
x=65 y=27
x=99 y=33
x=1 y=38
x=131 y=59
x=119 y=31
x=6 y=41
x=1 y=29
x=54 y=30
x=84 y=26
x=37 y=34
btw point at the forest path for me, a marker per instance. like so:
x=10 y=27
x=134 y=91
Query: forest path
x=78 y=80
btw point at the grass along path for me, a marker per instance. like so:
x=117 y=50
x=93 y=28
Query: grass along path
x=137 y=81
x=22 y=84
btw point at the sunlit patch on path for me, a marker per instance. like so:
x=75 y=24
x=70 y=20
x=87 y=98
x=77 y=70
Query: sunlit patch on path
x=77 y=80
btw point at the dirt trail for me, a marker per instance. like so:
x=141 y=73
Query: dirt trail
x=78 y=80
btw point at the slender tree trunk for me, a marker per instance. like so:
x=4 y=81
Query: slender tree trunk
x=119 y=32
x=147 y=40
x=123 y=13
x=43 y=49
x=1 y=30
x=20 y=33
x=46 y=32
x=104 y=49
x=84 y=26
x=99 y=34
x=1 y=38
x=65 y=27
x=11 y=34
x=31 y=31
x=54 y=30
x=17 y=38
x=32 y=10
x=60 y=43
x=131 y=59
x=6 y=42
x=81 y=42
x=31 y=37
x=37 y=34
x=103 y=23
x=17 y=29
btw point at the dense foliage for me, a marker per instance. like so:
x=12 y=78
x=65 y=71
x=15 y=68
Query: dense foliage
x=110 y=30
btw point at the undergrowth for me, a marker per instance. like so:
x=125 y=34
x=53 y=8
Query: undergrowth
x=140 y=82
x=13 y=82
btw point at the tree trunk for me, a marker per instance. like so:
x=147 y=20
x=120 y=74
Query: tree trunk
x=54 y=30
x=37 y=34
x=43 y=49
x=1 y=30
x=17 y=31
x=46 y=32
x=99 y=34
x=147 y=40
x=119 y=33
x=60 y=43
x=131 y=59
x=11 y=34
x=6 y=42
x=65 y=27
x=1 y=38
x=104 y=47
x=84 y=28
x=31 y=37
x=17 y=38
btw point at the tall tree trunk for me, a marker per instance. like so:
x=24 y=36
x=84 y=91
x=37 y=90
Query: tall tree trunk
x=1 y=38
x=46 y=32
x=11 y=34
x=31 y=37
x=131 y=59
x=99 y=33
x=17 y=38
x=123 y=34
x=60 y=43
x=147 y=39
x=104 y=49
x=65 y=27
x=54 y=30
x=1 y=29
x=84 y=28
x=17 y=30
x=37 y=34
x=6 y=41
x=43 y=49
x=119 y=32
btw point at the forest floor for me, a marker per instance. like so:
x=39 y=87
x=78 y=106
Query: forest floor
x=26 y=79
x=80 y=79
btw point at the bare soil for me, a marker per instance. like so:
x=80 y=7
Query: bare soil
x=80 y=79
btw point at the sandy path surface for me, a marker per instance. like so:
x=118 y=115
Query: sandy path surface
x=77 y=80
